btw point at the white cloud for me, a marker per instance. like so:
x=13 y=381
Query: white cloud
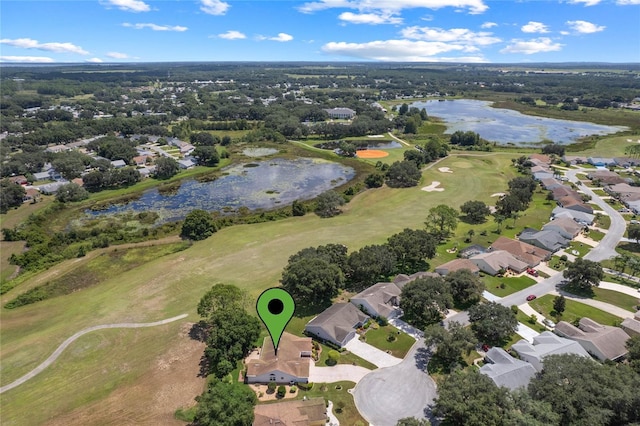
x=117 y=55
x=214 y=7
x=25 y=59
x=28 y=43
x=473 y=6
x=565 y=32
x=129 y=5
x=528 y=47
x=369 y=18
x=585 y=2
x=488 y=25
x=584 y=27
x=400 y=50
x=628 y=2
x=282 y=37
x=534 y=27
x=94 y=60
x=462 y=36
x=232 y=35
x=155 y=27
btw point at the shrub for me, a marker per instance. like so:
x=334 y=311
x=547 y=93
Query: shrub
x=514 y=309
x=271 y=387
x=334 y=356
x=293 y=389
x=532 y=319
x=281 y=391
x=383 y=321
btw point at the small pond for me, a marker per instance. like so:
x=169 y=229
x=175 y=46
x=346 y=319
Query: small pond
x=261 y=185
x=259 y=152
x=509 y=126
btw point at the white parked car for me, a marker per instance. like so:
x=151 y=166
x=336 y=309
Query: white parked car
x=548 y=323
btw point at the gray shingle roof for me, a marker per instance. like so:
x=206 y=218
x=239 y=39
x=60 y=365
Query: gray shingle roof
x=339 y=319
x=506 y=370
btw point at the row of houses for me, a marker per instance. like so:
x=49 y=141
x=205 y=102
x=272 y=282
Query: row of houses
x=602 y=161
x=588 y=339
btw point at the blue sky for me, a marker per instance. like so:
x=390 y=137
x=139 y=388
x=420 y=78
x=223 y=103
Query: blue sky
x=504 y=31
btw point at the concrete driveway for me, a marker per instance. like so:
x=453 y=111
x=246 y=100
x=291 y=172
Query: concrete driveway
x=526 y=333
x=337 y=373
x=388 y=394
x=372 y=354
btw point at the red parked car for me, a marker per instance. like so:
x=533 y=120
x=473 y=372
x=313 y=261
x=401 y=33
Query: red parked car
x=531 y=297
x=532 y=271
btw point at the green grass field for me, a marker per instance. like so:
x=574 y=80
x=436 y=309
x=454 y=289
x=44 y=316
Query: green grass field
x=573 y=310
x=511 y=284
x=249 y=256
x=399 y=347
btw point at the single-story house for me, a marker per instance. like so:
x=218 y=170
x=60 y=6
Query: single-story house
x=457 y=264
x=632 y=325
x=337 y=324
x=565 y=191
x=305 y=412
x=573 y=204
x=622 y=190
x=634 y=206
x=341 y=113
x=43 y=175
x=498 y=260
x=537 y=169
x=566 y=227
x=545 y=344
x=540 y=158
x=574 y=159
x=579 y=217
x=626 y=161
x=541 y=175
x=600 y=161
x=31 y=195
x=401 y=279
x=471 y=250
x=602 y=341
x=186 y=163
x=381 y=299
x=19 y=180
x=56 y=148
x=550 y=184
x=505 y=370
x=521 y=250
x=118 y=164
x=291 y=364
x=50 y=188
x=548 y=239
x=606 y=177
x=140 y=160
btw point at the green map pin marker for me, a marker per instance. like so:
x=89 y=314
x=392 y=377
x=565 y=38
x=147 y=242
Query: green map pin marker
x=275 y=308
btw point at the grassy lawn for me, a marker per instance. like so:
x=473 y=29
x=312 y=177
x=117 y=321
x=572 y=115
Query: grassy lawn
x=349 y=414
x=249 y=256
x=600 y=192
x=581 y=248
x=595 y=235
x=609 y=147
x=511 y=284
x=524 y=319
x=7 y=248
x=603 y=221
x=621 y=280
x=612 y=297
x=557 y=263
x=573 y=311
x=399 y=347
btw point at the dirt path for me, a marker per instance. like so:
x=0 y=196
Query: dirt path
x=79 y=334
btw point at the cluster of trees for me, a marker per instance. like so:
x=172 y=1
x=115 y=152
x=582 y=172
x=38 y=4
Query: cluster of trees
x=466 y=139
x=198 y=225
x=110 y=178
x=71 y=192
x=114 y=148
x=410 y=118
x=315 y=275
x=571 y=390
x=431 y=150
x=553 y=149
x=517 y=199
x=624 y=261
x=583 y=274
x=425 y=301
x=11 y=195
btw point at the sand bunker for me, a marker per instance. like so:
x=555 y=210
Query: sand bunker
x=498 y=194
x=433 y=187
x=371 y=153
x=445 y=170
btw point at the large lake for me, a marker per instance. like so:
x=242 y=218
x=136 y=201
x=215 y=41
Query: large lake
x=509 y=126
x=261 y=185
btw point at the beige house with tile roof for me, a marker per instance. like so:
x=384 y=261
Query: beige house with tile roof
x=308 y=412
x=602 y=341
x=292 y=363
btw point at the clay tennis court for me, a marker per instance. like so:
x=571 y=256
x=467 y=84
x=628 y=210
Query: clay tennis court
x=371 y=153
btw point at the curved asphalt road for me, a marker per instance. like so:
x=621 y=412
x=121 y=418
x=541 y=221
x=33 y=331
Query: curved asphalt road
x=605 y=249
x=386 y=395
x=80 y=333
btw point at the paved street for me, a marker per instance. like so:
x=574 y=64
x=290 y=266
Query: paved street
x=388 y=394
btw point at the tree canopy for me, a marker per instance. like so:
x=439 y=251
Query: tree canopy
x=403 y=174
x=221 y=296
x=198 y=225
x=450 y=342
x=166 y=167
x=425 y=301
x=466 y=287
x=411 y=247
x=492 y=323
x=475 y=211
x=441 y=221
x=225 y=404
x=11 y=195
x=328 y=203
x=369 y=265
x=71 y=192
x=584 y=274
x=312 y=280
